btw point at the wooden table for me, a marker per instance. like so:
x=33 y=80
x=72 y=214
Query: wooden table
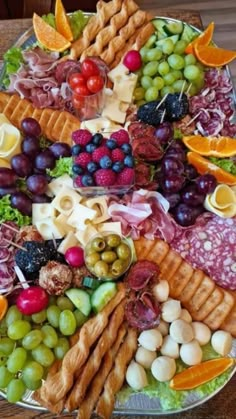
x=223 y=405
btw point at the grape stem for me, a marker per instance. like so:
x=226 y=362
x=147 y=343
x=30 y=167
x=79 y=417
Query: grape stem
x=162 y=100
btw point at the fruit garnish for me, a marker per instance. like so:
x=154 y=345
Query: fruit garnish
x=204 y=166
x=3 y=306
x=211 y=146
x=199 y=374
x=62 y=21
x=48 y=36
x=133 y=60
x=203 y=39
x=212 y=56
x=75 y=256
x=32 y=300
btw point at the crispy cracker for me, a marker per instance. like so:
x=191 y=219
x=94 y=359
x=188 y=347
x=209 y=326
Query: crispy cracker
x=28 y=111
x=36 y=113
x=204 y=290
x=143 y=247
x=210 y=304
x=10 y=106
x=158 y=251
x=4 y=99
x=229 y=323
x=58 y=127
x=216 y=318
x=180 y=279
x=169 y=265
x=16 y=116
x=51 y=123
x=71 y=124
x=44 y=118
x=192 y=286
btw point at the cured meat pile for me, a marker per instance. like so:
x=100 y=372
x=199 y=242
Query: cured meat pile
x=7 y=257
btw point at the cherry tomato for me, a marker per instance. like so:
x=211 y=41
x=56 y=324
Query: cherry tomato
x=82 y=90
x=95 y=83
x=76 y=79
x=78 y=101
x=89 y=68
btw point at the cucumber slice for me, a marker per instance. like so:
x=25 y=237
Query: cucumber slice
x=80 y=299
x=173 y=28
x=174 y=39
x=102 y=295
x=91 y=283
x=158 y=24
x=188 y=34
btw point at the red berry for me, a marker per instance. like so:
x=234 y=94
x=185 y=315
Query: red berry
x=78 y=181
x=75 y=256
x=117 y=155
x=133 y=60
x=32 y=300
x=83 y=159
x=100 y=152
x=105 y=177
x=81 y=137
x=125 y=177
x=121 y=137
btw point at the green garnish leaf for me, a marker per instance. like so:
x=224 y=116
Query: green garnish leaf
x=77 y=23
x=177 y=134
x=13 y=59
x=63 y=166
x=50 y=19
x=7 y=213
x=229 y=165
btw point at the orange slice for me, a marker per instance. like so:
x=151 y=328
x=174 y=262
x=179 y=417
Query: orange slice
x=204 y=166
x=203 y=39
x=3 y=306
x=48 y=36
x=62 y=21
x=211 y=146
x=213 y=56
x=201 y=373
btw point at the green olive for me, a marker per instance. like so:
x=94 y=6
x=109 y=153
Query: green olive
x=117 y=268
x=123 y=251
x=101 y=268
x=113 y=240
x=108 y=256
x=98 y=244
x=92 y=258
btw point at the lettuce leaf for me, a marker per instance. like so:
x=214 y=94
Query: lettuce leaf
x=50 y=19
x=13 y=59
x=77 y=23
x=229 y=165
x=7 y=213
x=63 y=166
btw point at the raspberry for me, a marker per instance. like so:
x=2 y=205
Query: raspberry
x=121 y=137
x=126 y=177
x=105 y=177
x=78 y=181
x=81 y=137
x=99 y=153
x=117 y=155
x=83 y=159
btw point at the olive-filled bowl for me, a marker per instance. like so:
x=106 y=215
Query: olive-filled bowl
x=108 y=255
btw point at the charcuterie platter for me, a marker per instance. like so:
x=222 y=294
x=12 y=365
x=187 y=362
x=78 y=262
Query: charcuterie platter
x=117 y=214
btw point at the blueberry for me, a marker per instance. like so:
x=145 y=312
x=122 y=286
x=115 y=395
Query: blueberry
x=111 y=144
x=126 y=148
x=87 y=180
x=75 y=150
x=92 y=167
x=118 y=166
x=77 y=169
x=105 y=162
x=129 y=161
x=97 y=139
x=90 y=147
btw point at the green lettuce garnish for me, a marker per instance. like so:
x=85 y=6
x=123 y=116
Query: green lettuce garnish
x=63 y=166
x=77 y=23
x=226 y=164
x=13 y=59
x=177 y=134
x=7 y=213
x=50 y=19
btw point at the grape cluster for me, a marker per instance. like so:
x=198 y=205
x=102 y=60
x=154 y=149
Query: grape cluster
x=30 y=344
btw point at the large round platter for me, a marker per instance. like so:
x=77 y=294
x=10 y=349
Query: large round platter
x=136 y=404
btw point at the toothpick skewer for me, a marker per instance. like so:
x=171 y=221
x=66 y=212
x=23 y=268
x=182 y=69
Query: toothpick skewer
x=193 y=119
x=15 y=245
x=182 y=90
x=162 y=100
x=188 y=89
x=10 y=227
x=54 y=241
x=163 y=116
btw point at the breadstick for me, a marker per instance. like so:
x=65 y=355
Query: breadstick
x=56 y=387
x=106 y=340
x=95 y=388
x=116 y=377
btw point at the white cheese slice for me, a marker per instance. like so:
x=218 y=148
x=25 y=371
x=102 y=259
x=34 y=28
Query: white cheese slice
x=69 y=241
x=113 y=226
x=65 y=200
x=85 y=235
x=99 y=204
x=81 y=216
x=55 y=185
x=61 y=220
x=49 y=229
x=112 y=109
x=124 y=87
x=118 y=71
x=102 y=124
x=41 y=211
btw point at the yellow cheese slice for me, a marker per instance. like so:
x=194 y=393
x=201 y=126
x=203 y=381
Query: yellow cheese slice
x=10 y=141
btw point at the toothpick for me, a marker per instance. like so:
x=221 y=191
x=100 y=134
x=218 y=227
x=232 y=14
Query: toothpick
x=16 y=245
x=182 y=90
x=21 y=277
x=54 y=241
x=162 y=100
x=188 y=89
x=10 y=227
x=163 y=116
x=193 y=119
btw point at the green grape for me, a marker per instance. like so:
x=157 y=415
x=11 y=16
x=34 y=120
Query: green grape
x=151 y=68
x=199 y=82
x=191 y=72
x=189 y=59
x=140 y=103
x=5 y=376
x=3 y=358
x=163 y=68
x=39 y=317
x=146 y=82
x=152 y=93
x=52 y=300
x=15 y=390
x=6 y=345
x=43 y=355
x=79 y=317
x=32 y=371
x=166 y=90
x=143 y=52
x=32 y=339
x=139 y=73
x=16 y=360
x=32 y=384
x=158 y=82
x=168 y=46
x=65 y=303
x=50 y=337
x=18 y=329
x=139 y=93
x=176 y=62
x=3 y=327
x=53 y=314
x=151 y=41
x=12 y=315
x=200 y=66
x=178 y=85
x=154 y=54
x=27 y=318
x=178 y=75
x=62 y=347
x=180 y=47
x=168 y=79
x=193 y=90
x=67 y=323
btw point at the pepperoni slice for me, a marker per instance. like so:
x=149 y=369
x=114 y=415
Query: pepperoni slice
x=141 y=273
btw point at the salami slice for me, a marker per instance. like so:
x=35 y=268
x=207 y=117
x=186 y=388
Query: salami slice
x=6 y=280
x=141 y=273
x=141 y=316
x=4 y=254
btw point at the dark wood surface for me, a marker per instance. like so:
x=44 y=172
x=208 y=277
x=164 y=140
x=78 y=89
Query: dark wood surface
x=223 y=405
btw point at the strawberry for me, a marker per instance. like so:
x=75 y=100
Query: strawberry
x=105 y=177
x=81 y=137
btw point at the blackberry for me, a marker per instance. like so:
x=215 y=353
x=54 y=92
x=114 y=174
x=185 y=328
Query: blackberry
x=176 y=106
x=150 y=114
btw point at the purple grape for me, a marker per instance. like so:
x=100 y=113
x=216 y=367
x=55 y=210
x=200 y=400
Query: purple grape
x=173 y=199
x=172 y=165
x=206 y=184
x=60 y=150
x=164 y=132
x=37 y=184
x=7 y=190
x=30 y=126
x=22 y=165
x=30 y=146
x=177 y=154
x=40 y=199
x=45 y=160
x=190 y=171
x=22 y=202
x=7 y=177
x=191 y=196
x=185 y=215
x=172 y=183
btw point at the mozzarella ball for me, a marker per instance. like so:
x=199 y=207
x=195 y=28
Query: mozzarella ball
x=145 y=357
x=161 y=290
x=171 y=310
x=163 y=368
x=191 y=353
x=163 y=327
x=201 y=333
x=222 y=342
x=181 y=331
x=170 y=347
x=151 y=339
x=136 y=376
x=185 y=315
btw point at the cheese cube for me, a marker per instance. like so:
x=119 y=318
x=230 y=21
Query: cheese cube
x=61 y=220
x=69 y=241
x=86 y=235
x=101 y=124
x=81 y=216
x=99 y=204
x=124 y=87
x=55 y=185
x=49 y=229
x=66 y=200
x=112 y=109
x=113 y=226
x=41 y=211
x=119 y=71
